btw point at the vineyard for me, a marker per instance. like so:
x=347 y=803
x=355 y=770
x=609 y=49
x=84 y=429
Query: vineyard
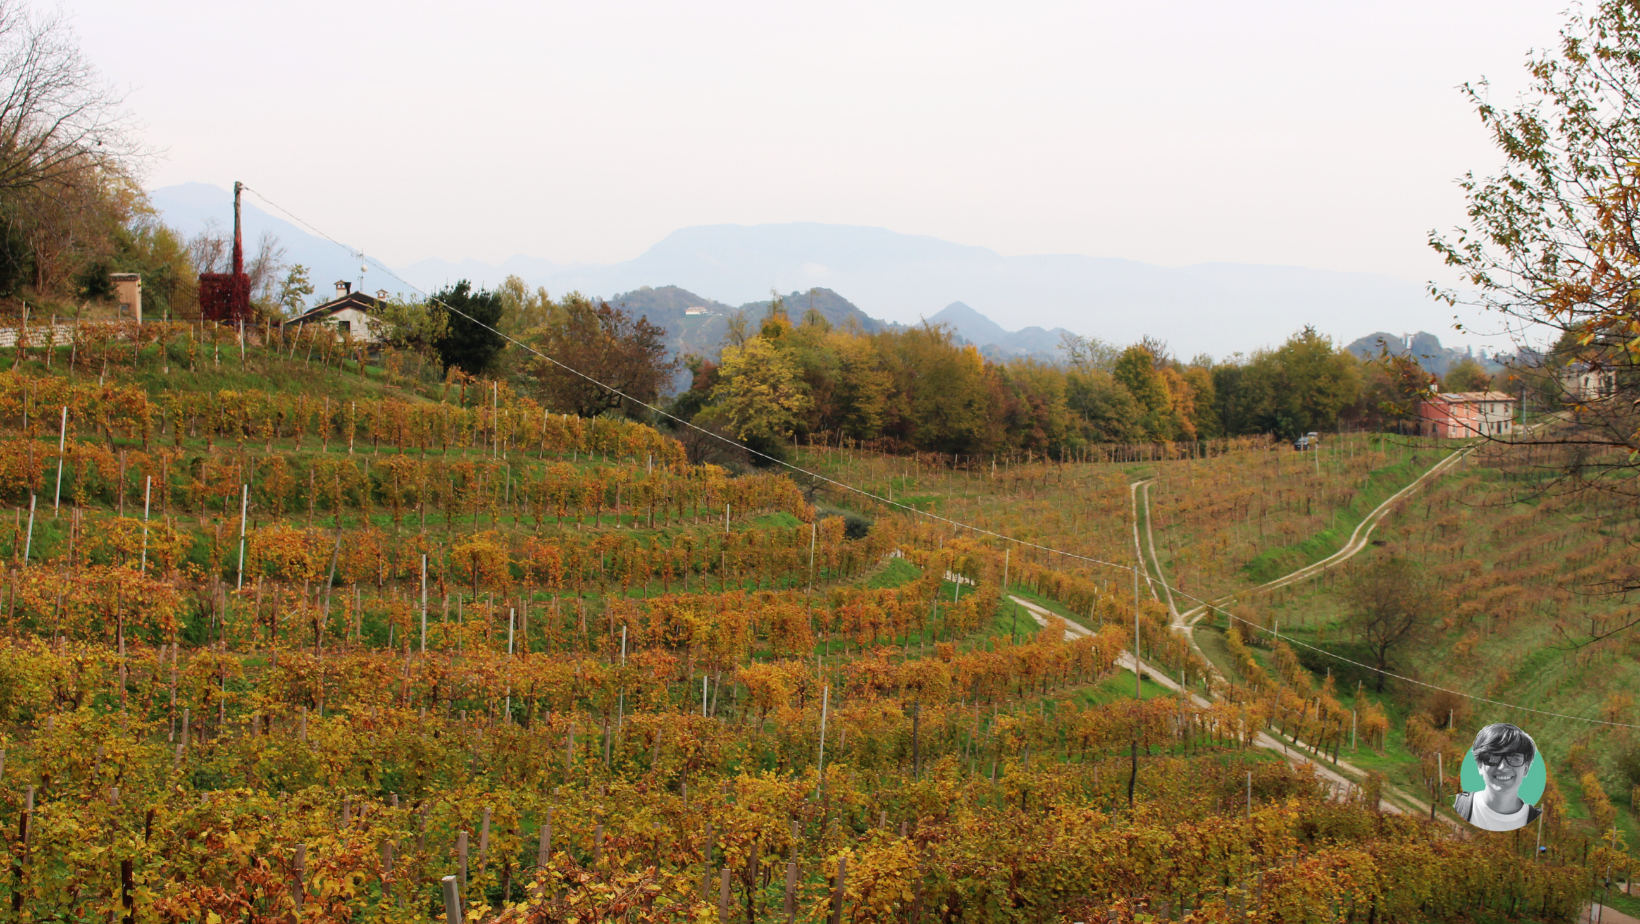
x=1520 y=622
x=291 y=632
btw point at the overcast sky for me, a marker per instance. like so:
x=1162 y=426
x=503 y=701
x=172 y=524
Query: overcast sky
x=1326 y=135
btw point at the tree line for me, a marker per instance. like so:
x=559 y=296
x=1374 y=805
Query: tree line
x=921 y=389
x=779 y=379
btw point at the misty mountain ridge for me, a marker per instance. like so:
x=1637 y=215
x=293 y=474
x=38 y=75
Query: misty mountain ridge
x=997 y=343
x=695 y=324
x=895 y=278
x=1426 y=348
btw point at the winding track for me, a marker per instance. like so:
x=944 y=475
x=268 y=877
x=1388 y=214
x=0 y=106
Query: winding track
x=1359 y=539
x=1185 y=622
x=1338 y=782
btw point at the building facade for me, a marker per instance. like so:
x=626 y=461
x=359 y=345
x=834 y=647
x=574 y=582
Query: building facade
x=1461 y=414
x=350 y=314
x=1581 y=382
x=128 y=295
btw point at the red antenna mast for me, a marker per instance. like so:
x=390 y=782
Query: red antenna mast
x=226 y=297
x=238 y=245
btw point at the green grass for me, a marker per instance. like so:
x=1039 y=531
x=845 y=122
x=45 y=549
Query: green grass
x=897 y=573
x=1381 y=484
x=1616 y=900
x=1052 y=606
x=1003 y=625
x=1116 y=687
x=1210 y=639
x=780 y=519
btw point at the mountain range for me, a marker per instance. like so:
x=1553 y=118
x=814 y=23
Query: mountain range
x=696 y=325
x=1426 y=348
x=1216 y=308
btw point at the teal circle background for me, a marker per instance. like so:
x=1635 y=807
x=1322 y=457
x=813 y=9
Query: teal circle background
x=1531 y=789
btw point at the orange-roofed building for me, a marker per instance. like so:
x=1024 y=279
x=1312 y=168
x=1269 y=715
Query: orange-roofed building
x=1468 y=413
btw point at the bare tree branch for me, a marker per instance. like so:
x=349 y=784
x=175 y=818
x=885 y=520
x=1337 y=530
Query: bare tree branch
x=58 y=118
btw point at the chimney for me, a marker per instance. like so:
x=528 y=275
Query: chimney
x=343 y=288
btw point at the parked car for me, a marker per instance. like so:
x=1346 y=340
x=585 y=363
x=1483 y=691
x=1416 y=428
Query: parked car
x=1302 y=443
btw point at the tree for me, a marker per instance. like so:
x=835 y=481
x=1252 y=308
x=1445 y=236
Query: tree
x=1182 y=406
x=414 y=325
x=1553 y=244
x=294 y=290
x=1303 y=385
x=1204 y=417
x=523 y=311
x=66 y=183
x=605 y=353
x=1108 y=412
x=470 y=342
x=1390 y=605
x=61 y=123
x=68 y=226
x=1136 y=371
x=758 y=396
x=1088 y=353
x=942 y=399
x=1466 y=375
x=148 y=247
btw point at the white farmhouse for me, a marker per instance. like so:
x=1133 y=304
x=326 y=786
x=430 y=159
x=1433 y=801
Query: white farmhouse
x=350 y=314
x=1584 y=382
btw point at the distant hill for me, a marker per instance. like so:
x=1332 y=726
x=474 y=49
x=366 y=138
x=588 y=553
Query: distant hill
x=1218 y=308
x=1426 y=348
x=702 y=331
x=668 y=307
x=833 y=307
x=994 y=341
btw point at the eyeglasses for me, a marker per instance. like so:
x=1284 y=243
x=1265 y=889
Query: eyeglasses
x=1514 y=760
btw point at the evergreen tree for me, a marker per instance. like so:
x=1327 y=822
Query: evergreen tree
x=471 y=343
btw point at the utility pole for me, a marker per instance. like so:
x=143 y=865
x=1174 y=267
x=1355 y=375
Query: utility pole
x=1138 y=692
x=62 y=445
x=244 y=509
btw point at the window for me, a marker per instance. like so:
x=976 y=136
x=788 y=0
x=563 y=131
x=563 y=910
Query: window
x=344 y=326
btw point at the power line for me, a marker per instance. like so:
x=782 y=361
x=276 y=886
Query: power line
x=723 y=439
x=892 y=503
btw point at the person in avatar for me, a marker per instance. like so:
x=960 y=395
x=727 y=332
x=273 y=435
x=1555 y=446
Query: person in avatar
x=1503 y=754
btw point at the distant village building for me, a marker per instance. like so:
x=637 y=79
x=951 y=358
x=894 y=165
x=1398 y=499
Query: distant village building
x=350 y=313
x=1467 y=413
x=1581 y=382
x=696 y=309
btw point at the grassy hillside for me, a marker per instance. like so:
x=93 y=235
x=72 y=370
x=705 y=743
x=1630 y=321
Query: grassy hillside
x=464 y=636
x=1518 y=619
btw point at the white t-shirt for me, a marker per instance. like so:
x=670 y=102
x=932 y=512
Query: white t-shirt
x=1482 y=816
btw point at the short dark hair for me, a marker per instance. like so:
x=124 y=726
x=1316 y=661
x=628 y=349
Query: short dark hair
x=1501 y=738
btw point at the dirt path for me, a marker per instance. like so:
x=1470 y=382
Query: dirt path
x=1186 y=622
x=1138 y=549
x=1339 y=783
x=1359 y=539
x=1154 y=564
x=1598 y=914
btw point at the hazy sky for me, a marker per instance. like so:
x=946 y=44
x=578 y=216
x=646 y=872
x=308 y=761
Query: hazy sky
x=1318 y=134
